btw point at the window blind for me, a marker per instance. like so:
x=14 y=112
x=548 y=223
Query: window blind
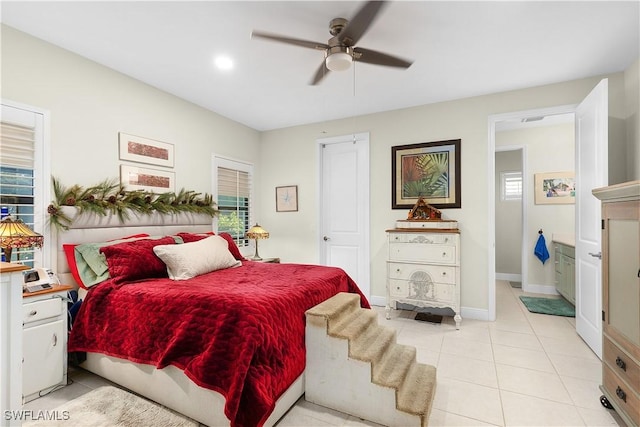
x=17 y=180
x=233 y=184
x=511 y=185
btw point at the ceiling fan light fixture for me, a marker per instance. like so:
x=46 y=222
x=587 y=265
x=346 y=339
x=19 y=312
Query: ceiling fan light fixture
x=338 y=61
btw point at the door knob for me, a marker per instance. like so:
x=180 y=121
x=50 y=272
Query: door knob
x=325 y=238
x=598 y=255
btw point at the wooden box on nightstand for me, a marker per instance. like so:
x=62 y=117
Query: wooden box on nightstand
x=44 y=341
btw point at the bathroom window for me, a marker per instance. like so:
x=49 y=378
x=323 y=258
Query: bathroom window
x=511 y=185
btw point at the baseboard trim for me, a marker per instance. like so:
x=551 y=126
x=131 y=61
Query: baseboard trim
x=510 y=277
x=378 y=300
x=474 y=313
x=540 y=289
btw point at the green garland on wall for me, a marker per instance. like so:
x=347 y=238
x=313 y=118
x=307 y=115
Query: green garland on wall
x=110 y=197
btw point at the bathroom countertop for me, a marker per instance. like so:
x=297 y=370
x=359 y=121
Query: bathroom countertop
x=564 y=238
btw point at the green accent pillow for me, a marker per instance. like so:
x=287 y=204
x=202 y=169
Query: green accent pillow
x=92 y=264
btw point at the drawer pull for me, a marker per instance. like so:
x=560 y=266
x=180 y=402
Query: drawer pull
x=621 y=364
x=55 y=340
x=621 y=394
x=444 y=254
x=33 y=312
x=444 y=273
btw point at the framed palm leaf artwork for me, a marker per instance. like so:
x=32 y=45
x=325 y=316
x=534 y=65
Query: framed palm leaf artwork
x=430 y=170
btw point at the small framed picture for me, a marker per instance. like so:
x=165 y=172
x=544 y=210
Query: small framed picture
x=287 y=198
x=145 y=150
x=555 y=188
x=152 y=180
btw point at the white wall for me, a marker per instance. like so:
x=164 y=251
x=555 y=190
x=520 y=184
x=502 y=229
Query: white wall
x=632 y=118
x=466 y=119
x=90 y=104
x=549 y=149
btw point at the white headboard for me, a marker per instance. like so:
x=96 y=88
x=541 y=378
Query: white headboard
x=94 y=228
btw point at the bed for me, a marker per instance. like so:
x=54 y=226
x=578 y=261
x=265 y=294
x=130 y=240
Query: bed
x=224 y=347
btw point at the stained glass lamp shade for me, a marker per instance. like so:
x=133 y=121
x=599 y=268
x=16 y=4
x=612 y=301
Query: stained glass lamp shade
x=16 y=234
x=256 y=232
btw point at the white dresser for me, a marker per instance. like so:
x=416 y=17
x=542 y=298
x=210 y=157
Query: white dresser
x=423 y=269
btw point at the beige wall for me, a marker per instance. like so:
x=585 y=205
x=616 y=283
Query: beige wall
x=632 y=119
x=466 y=119
x=548 y=149
x=90 y=104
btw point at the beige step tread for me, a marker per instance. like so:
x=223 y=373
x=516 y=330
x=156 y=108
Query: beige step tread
x=415 y=395
x=352 y=324
x=392 y=367
x=372 y=343
x=334 y=306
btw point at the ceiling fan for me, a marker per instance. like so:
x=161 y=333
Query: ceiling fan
x=340 y=51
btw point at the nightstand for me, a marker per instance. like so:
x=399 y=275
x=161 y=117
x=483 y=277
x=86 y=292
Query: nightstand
x=44 y=341
x=268 y=260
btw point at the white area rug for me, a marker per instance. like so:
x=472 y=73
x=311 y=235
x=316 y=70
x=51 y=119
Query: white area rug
x=110 y=407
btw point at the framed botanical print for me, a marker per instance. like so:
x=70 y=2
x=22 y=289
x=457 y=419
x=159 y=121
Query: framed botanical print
x=430 y=170
x=287 y=198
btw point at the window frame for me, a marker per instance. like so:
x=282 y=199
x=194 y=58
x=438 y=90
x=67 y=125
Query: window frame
x=239 y=165
x=14 y=112
x=506 y=176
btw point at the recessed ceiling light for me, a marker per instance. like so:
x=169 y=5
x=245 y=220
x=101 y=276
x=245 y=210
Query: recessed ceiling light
x=223 y=63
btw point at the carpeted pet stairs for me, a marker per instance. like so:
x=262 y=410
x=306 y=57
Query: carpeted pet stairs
x=355 y=365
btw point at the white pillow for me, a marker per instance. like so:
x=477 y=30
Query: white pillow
x=195 y=258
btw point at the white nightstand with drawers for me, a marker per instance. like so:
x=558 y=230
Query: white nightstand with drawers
x=423 y=269
x=44 y=341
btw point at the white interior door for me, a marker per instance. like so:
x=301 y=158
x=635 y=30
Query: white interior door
x=344 y=206
x=592 y=117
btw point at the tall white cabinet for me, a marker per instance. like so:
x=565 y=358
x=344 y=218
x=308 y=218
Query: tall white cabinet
x=423 y=269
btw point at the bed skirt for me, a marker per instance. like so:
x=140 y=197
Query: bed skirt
x=172 y=388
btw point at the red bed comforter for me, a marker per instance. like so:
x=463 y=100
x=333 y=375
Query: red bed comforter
x=238 y=331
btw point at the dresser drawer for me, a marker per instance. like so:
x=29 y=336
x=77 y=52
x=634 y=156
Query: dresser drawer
x=436 y=273
x=399 y=288
x=621 y=363
x=433 y=292
x=621 y=394
x=438 y=254
x=423 y=238
x=38 y=310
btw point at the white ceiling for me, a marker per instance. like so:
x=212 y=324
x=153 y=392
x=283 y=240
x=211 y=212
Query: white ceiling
x=459 y=49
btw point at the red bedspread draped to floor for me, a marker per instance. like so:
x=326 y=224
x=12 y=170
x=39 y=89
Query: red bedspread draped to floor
x=238 y=331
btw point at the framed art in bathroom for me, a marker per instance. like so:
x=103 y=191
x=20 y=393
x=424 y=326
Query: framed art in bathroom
x=555 y=188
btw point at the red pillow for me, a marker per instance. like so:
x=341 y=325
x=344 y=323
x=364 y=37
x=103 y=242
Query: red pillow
x=192 y=237
x=69 y=251
x=233 y=248
x=129 y=261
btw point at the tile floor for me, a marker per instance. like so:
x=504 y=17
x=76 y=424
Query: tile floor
x=524 y=369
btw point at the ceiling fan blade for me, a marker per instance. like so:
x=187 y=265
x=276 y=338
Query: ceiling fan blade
x=320 y=74
x=289 y=40
x=360 y=23
x=378 y=58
